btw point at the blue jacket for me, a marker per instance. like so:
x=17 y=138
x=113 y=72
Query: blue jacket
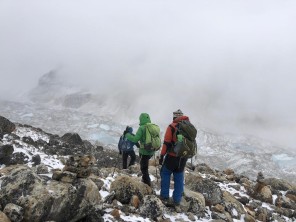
x=124 y=144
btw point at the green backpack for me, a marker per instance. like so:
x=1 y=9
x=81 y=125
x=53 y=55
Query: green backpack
x=152 y=139
x=185 y=146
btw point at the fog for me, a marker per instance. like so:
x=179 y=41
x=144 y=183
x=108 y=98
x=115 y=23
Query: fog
x=229 y=65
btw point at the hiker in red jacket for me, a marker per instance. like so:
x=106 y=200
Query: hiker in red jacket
x=171 y=164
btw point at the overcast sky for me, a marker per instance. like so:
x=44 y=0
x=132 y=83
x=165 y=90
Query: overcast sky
x=229 y=65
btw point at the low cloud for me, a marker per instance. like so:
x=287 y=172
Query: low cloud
x=230 y=66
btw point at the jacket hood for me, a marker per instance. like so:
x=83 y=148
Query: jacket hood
x=129 y=129
x=180 y=119
x=144 y=118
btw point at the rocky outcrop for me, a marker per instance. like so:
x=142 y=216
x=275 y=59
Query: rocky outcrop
x=42 y=201
x=6 y=126
x=89 y=186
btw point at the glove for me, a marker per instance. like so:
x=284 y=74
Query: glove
x=120 y=152
x=161 y=159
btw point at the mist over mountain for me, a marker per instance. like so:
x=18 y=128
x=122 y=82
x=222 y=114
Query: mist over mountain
x=229 y=66
x=93 y=67
x=59 y=107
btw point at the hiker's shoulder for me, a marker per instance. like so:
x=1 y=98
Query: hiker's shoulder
x=181 y=118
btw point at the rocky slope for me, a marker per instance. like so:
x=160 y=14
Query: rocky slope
x=45 y=177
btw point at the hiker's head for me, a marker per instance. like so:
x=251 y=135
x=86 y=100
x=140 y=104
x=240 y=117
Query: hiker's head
x=177 y=114
x=144 y=118
x=129 y=129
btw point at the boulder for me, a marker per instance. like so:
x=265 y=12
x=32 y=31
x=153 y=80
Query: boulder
x=125 y=187
x=261 y=192
x=204 y=168
x=19 y=158
x=6 y=126
x=51 y=201
x=14 y=212
x=36 y=159
x=210 y=190
x=19 y=180
x=28 y=140
x=279 y=184
x=6 y=152
x=42 y=169
x=3 y=217
x=233 y=206
x=152 y=207
x=196 y=201
x=72 y=138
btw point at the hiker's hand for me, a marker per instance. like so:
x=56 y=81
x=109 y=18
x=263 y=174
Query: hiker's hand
x=160 y=159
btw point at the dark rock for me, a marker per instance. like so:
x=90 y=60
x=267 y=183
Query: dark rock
x=204 y=168
x=72 y=138
x=99 y=148
x=41 y=142
x=12 y=137
x=6 y=126
x=28 y=140
x=94 y=215
x=6 y=151
x=54 y=141
x=243 y=199
x=5 y=160
x=36 y=159
x=50 y=150
x=19 y=158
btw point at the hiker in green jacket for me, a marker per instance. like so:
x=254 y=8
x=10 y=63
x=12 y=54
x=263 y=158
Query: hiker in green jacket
x=145 y=155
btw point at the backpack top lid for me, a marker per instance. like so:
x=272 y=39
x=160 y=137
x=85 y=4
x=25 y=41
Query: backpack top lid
x=186 y=129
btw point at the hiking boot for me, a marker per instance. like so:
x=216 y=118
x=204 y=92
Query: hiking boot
x=146 y=182
x=168 y=202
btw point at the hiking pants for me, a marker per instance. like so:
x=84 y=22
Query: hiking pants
x=125 y=156
x=165 y=174
x=144 y=163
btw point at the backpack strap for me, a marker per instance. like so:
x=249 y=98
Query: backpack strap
x=170 y=145
x=172 y=128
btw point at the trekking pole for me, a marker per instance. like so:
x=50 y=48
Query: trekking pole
x=116 y=164
x=155 y=167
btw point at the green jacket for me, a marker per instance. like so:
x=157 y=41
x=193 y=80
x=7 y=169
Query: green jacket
x=141 y=134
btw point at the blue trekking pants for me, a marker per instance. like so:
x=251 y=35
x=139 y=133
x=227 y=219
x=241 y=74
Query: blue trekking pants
x=165 y=174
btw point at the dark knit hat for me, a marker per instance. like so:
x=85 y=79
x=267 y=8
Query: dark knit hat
x=177 y=113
